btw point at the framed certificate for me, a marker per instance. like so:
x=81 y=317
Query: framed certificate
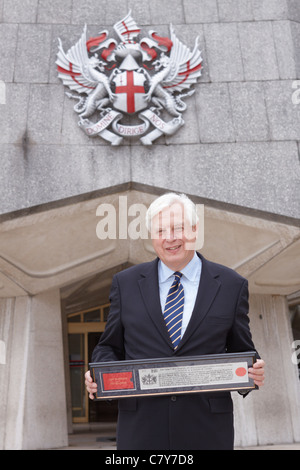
x=174 y=375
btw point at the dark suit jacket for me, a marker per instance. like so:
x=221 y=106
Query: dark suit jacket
x=136 y=330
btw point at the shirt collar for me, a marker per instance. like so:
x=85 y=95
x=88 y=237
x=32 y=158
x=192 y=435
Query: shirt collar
x=190 y=271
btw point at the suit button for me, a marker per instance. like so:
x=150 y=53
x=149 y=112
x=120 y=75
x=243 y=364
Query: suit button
x=173 y=398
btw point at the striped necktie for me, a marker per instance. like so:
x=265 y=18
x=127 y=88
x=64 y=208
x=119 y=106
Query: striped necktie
x=174 y=309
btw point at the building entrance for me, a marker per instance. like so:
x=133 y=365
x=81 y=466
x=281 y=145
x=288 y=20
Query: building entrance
x=84 y=331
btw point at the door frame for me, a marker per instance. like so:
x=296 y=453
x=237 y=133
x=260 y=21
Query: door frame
x=85 y=328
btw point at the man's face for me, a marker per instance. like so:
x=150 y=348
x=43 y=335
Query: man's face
x=173 y=237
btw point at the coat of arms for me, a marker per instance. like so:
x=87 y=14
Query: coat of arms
x=125 y=89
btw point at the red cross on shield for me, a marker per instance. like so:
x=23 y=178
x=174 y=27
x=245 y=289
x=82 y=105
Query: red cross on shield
x=130 y=92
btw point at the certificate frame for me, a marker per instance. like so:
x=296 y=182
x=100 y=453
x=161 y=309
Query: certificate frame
x=173 y=375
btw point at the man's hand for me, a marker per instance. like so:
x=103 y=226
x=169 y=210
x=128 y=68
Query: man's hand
x=90 y=385
x=257 y=372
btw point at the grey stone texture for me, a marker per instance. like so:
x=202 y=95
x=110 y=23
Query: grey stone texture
x=241 y=125
x=8 y=37
x=270 y=172
x=214 y=114
x=285 y=39
x=235 y=10
x=258 y=51
x=270 y=9
x=32 y=53
x=249 y=112
x=20 y=11
x=201 y=11
x=224 y=52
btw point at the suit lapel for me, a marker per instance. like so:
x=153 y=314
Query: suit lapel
x=208 y=288
x=150 y=292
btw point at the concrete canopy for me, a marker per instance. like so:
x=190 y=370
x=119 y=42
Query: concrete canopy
x=58 y=246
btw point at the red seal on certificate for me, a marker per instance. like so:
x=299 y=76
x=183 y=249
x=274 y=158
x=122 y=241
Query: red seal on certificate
x=241 y=371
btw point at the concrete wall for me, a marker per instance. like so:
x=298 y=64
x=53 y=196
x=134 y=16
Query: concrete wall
x=32 y=386
x=272 y=414
x=240 y=141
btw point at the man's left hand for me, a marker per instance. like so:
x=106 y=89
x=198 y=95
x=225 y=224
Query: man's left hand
x=257 y=372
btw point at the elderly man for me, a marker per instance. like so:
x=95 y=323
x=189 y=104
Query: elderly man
x=211 y=318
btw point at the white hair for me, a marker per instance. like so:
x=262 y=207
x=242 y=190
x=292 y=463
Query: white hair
x=168 y=200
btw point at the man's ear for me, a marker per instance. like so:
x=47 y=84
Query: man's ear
x=191 y=242
x=195 y=229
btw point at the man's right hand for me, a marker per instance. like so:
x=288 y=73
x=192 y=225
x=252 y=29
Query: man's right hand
x=90 y=385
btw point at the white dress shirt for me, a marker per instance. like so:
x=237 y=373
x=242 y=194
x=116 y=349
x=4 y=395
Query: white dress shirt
x=190 y=281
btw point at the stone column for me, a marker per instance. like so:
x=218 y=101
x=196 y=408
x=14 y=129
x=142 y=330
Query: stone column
x=32 y=390
x=272 y=414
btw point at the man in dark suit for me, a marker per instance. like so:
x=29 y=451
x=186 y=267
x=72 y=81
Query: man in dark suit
x=211 y=318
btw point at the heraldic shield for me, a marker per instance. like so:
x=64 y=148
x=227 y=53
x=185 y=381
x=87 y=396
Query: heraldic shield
x=143 y=81
x=130 y=92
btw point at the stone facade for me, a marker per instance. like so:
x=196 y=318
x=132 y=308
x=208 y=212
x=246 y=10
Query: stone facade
x=241 y=119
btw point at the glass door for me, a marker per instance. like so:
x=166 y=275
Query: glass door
x=78 y=367
x=84 y=331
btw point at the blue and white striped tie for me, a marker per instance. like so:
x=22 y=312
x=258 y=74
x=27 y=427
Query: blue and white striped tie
x=174 y=309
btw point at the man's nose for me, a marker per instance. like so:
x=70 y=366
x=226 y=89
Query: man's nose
x=171 y=235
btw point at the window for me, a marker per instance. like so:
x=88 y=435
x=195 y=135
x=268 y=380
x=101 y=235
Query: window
x=98 y=314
